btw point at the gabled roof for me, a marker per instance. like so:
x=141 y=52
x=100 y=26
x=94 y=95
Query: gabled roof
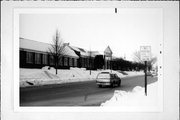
x=69 y=52
x=82 y=51
x=43 y=47
x=75 y=48
x=108 y=51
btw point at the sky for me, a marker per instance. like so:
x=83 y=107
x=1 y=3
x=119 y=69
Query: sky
x=124 y=31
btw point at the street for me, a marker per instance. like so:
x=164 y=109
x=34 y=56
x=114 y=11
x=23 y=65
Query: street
x=76 y=94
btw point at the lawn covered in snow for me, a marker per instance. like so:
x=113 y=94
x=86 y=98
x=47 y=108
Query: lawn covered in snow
x=134 y=98
x=44 y=76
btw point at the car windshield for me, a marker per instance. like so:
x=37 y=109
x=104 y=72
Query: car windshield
x=103 y=76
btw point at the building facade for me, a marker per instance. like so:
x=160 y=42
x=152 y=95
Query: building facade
x=35 y=54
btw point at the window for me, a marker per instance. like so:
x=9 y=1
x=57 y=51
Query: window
x=91 y=63
x=51 y=60
x=88 y=62
x=44 y=59
x=75 y=62
x=70 y=62
x=61 y=61
x=37 y=58
x=102 y=76
x=65 y=61
x=82 y=62
x=85 y=62
x=116 y=76
x=29 y=57
x=112 y=76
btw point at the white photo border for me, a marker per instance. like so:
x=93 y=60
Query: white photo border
x=17 y=108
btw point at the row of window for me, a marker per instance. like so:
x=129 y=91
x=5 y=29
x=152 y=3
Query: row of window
x=86 y=62
x=63 y=61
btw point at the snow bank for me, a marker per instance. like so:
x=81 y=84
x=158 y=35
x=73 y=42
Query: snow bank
x=136 y=97
x=36 y=77
x=134 y=73
x=113 y=71
x=46 y=75
x=123 y=74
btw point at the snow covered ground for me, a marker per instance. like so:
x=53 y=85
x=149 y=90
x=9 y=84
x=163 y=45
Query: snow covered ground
x=134 y=98
x=44 y=76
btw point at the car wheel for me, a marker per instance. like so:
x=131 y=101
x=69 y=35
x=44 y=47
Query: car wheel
x=112 y=84
x=100 y=86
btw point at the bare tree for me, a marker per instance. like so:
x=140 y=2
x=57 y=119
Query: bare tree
x=56 y=49
x=137 y=58
x=152 y=62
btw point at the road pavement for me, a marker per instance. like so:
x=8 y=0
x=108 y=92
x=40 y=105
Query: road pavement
x=76 y=94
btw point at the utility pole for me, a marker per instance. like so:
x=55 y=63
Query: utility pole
x=145 y=54
x=90 y=62
x=115 y=10
x=145 y=83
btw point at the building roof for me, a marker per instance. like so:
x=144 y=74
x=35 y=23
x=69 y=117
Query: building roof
x=82 y=51
x=108 y=51
x=75 y=48
x=94 y=53
x=43 y=47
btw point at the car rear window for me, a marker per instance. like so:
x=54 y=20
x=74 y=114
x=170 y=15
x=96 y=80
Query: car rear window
x=103 y=76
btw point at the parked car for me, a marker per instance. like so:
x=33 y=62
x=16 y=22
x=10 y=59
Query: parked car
x=108 y=79
x=154 y=73
x=149 y=73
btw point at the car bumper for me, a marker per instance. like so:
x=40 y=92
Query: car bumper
x=103 y=83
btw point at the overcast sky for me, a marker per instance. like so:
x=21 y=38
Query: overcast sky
x=124 y=32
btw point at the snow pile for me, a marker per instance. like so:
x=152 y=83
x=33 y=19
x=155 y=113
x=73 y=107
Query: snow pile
x=123 y=74
x=36 y=77
x=75 y=73
x=134 y=98
x=118 y=73
x=46 y=75
x=134 y=73
x=40 y=75
x=45 y=68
